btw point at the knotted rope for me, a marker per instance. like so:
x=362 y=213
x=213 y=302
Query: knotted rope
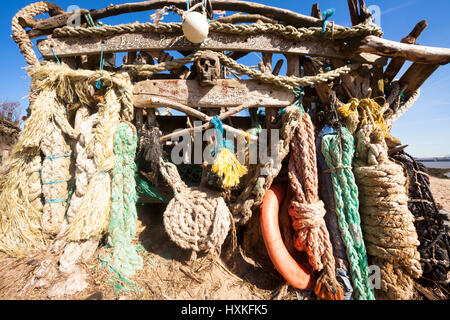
x=124 y=259
x=387 y=224
x=338 y=151
x=307 y=211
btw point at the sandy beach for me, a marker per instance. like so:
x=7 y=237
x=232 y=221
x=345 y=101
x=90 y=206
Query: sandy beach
x=441 y=192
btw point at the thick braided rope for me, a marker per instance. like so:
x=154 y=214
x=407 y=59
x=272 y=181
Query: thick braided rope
x=339 y=159
x=387 y=223
x=403 y=108
x=282 y=81
x=20 y=35
x=122 y=224
x=55 y=179
x=197 y=220
x=93 y=217
x=307 y=211
x=85 y=166
x=288 y=32
x=256 y=188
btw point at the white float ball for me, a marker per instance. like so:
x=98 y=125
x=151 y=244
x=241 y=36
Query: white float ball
x=195 y=27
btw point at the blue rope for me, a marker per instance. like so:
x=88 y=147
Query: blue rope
x=327 y=14
x=55 y=182
x=218 y=125
x=56 y=201
x=57 y=59
x=57 y=157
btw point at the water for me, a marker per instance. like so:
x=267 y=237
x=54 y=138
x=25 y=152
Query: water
x=438 y=165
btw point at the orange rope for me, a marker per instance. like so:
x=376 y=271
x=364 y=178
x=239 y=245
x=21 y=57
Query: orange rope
x=307 y=212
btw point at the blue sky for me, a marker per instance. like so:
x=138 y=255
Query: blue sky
x=426 y=127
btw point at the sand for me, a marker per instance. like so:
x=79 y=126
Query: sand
x=441 y=192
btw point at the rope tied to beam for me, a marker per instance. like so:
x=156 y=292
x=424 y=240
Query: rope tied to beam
x=286 y=31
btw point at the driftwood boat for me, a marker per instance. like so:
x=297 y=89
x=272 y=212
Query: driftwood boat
x=311 y=148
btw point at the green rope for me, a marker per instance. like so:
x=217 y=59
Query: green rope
x=143 y=188
x=338 y=151
x=124 y=260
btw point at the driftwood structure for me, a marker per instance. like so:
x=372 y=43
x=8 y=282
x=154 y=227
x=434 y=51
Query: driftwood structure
x=94 y=122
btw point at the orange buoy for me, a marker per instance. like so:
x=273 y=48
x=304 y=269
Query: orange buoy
x=299 y=276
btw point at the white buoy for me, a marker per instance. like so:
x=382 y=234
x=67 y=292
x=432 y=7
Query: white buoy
x=195 y=27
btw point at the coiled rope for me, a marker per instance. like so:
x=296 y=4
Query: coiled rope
x=338 y=151
x=387 y=224
x=307 y=211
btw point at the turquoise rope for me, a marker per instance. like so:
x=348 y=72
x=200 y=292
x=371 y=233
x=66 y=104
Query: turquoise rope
x=327 y=14
x=55 y=182
x=338 y=152
x=56 y=201
x=124 y=259
x=58 y=157
x=57 y=59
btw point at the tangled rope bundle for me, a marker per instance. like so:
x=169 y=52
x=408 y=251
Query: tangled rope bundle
x=431 y=225
x=387 y=224
x=338 y=151
x=307 y=211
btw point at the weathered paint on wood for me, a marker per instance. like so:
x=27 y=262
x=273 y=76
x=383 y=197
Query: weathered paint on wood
x=227 y=93
x=129 y=42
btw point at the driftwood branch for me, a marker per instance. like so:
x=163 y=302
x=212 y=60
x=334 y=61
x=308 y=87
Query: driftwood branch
x=397 y=63
x=241 y=18
x=415 y=76
x=421 y=54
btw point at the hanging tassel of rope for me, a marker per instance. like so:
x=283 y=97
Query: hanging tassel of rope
x=338 y=150
x=226 y=166
x=124 y=260
x=307 y=211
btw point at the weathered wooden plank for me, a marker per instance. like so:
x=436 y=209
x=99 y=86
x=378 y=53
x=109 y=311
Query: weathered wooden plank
x=129 y=42
x=227 y=93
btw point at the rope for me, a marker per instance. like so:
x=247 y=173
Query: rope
x=387 y=224
x=197 y=220
x=20 y=36
x=286 y=31
x=307 y=211
x=85 y=166
x=226 y=166
x=122 y=224
x=338 y=151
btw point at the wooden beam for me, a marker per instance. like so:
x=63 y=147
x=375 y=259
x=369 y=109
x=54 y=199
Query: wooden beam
x=415 y=76
x=397 y=63
x=290 y=17
x=227 y=93
x=240 y=18
x=354 y=13
x=130 y=42
x=324 y=90
x=315 y=11
x=388 y=48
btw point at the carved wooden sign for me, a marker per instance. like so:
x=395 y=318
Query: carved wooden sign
x=227 y=93
x=129 y=42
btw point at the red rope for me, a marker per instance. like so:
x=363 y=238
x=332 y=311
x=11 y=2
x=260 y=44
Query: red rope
x=307 y=212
